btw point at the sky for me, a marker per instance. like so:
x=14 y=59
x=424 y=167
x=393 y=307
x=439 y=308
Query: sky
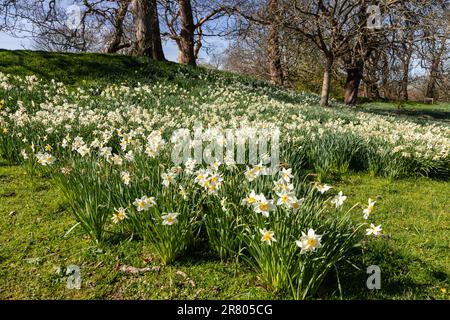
x=169 y=47
x=11 y=43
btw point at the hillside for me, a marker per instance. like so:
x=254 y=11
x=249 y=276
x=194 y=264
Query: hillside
x=87 y=178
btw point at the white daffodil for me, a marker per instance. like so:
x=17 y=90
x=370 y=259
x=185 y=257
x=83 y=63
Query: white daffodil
x=126 y=178
x=250 y=174
x=83 y=150
x=77 y=143
x=369 y=209
x=129 y=156
x=286 y=174
x=144 y=203
x=168 y=178
x=285 y=199
x=45 y=159
x=119 y=215
x=183 y=192
x=374 y=230
x=259 y=169
x=201 y=176
x=105 y=152
x=215 y=179
x=251 y=199
x=189 y=166
x=24 y=154
x=263 y=205
x=223 y=204
x=282 y=186
x=170 y=218
x=296 y=203
x=64 y=143
x=323 y=188
x=267 y=236
x=95 y=143
x=339 y=199
x=117 y=160
x=309 y=242
x=215 y=165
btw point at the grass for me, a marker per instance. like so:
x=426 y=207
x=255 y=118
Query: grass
x=414 y=258
x=418 y=110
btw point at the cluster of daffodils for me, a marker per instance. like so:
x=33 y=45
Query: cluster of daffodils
x=372 y=230
x=144 y=203
x=44 y=159
x=209 y=179
x=259 y=203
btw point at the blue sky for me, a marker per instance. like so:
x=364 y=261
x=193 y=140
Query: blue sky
x=11 y=43
x=170 y=48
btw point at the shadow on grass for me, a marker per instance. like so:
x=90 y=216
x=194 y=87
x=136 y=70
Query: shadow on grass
x=396 y=274
x=418 y=115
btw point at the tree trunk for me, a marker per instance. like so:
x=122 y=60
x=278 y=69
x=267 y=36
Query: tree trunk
x=186 y=42
x=351 y=88
x=385 y=77
x=406 y=61
x=115 y=45
x=434 y=71
x=432 y=79
x=371 y=77
x=405 y=78
x=158 y=53
x=273 y=44
x=326 y=84
x=143 y=28
x=372 y=90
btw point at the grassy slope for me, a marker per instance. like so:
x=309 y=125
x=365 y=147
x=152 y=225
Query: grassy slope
x=414 y=258
x=438 y=111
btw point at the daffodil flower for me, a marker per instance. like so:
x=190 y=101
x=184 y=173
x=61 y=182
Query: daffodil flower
x=323 y=188
x=267 y=236
x=374 y=230
x=369 y=209
x=339 y=199
x=309 y=242
x=119 y=215
x=170 y=218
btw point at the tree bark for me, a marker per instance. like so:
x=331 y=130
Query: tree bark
x=371 y=77
x=143 y=28
x=434 y=71
x=351 y=88
x=273 y=44
x=385 y=77
x=406 y=61
x=326 y=84
x=115 y=44
x=157 y=50
x=186 y=41
x=405 y=78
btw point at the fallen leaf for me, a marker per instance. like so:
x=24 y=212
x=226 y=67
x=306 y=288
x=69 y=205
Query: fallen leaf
x=131 y=269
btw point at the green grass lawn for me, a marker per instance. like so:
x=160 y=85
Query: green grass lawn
x=417 y=110
x=414 y=256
